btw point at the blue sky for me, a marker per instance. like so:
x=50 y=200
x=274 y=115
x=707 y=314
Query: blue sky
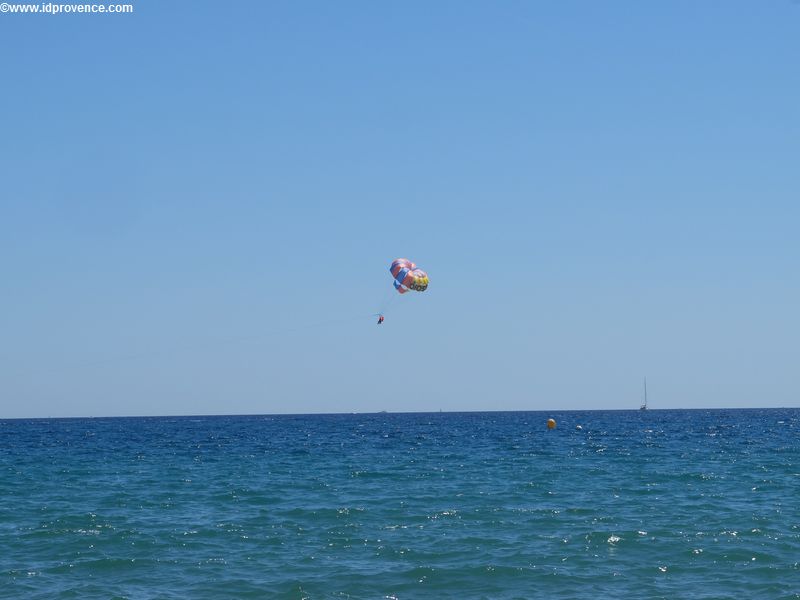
x=199 y=205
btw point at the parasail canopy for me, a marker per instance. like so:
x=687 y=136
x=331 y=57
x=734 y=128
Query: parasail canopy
x=407 y=276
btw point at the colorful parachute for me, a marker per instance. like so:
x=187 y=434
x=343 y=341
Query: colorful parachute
x=407 y=276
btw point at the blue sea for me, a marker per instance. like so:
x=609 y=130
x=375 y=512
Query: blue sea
x=618 y=504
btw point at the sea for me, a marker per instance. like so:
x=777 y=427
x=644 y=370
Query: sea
x=609 y=504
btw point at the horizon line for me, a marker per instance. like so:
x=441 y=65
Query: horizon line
x=395 y=412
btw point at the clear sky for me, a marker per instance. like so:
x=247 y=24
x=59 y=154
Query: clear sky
x=199 y=203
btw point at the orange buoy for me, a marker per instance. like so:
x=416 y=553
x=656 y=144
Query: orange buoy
x=551 y=423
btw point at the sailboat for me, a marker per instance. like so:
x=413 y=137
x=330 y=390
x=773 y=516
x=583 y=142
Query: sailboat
x=644 y=406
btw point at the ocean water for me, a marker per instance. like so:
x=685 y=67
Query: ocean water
x=635 y=504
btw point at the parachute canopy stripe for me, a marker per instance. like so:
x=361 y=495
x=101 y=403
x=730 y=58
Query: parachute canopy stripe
x=400 y=264
x=399 y=287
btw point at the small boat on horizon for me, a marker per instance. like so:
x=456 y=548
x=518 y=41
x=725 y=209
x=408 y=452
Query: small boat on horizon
x=644 y=406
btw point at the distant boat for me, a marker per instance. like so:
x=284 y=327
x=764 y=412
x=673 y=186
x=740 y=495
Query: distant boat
x=644 y=406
